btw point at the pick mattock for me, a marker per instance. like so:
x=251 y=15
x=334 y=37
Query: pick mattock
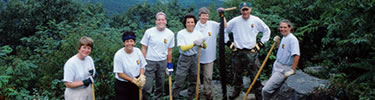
x=199 y=67
x=260 y=70
x=170 y=87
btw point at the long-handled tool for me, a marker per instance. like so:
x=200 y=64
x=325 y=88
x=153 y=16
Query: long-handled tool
x=92 y=73
x=93 y=91
x=170 y=87
x=140 y=93
x=260 y=70
x=222 y=64
x=199 y=67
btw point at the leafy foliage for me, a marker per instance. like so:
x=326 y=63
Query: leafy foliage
x=38 y=36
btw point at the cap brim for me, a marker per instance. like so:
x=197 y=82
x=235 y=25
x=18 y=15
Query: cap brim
x=245 y=7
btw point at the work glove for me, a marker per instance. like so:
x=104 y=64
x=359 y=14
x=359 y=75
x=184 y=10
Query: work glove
x=220 y=10
x=288 y=73
x=199 y=42
x=169 y=69
x=93 y=73
x=88 y=81
x=233 y=47
x=257 y=47
x=136 y=81
x=142 y=80
x=276 y=39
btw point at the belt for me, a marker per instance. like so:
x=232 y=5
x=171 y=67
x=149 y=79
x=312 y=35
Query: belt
x=189 y=55
x=246 y=49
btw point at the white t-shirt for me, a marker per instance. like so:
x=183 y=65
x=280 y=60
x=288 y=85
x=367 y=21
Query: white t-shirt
x=186 y=38
x=289 y=46
x=209 y=31
x=129 y=64
x=76 y=69
x=157 y=43
x=246 y=31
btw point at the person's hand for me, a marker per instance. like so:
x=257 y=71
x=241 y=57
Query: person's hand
x=88 y=81
x=220 y=9
x=276 y=39
x=93 y=73
x=169 y=69
x=142 y=80
x=136 y=81
x=233 y=47
x=257 y=47
x=199 y=42
x=288 y=73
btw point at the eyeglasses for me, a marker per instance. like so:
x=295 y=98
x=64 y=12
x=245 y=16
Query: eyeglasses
x=245 y=9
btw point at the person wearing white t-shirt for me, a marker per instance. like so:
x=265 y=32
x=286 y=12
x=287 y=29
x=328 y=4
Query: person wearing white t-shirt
x=79 y=72
x=188 y=41
x=245 y=29
x=157 y=44
x=209 y=30
x=287 y=58
x=129 y=67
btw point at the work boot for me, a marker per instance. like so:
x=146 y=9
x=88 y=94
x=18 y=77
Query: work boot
x=208 y=96
x=234 y=94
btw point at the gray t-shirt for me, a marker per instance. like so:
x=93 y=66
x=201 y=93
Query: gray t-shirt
x=289 y=47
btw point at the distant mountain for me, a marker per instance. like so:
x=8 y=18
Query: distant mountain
x=119 y=6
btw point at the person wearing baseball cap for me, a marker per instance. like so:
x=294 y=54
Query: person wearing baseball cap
x=245 y=29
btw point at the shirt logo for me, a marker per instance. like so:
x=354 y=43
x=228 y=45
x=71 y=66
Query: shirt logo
x=209 y=33
x=138 y=62
x=283 y=45
x=252 y=25
x=165 y=41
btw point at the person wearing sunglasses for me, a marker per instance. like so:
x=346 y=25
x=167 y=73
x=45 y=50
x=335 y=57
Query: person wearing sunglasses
x=245 y=29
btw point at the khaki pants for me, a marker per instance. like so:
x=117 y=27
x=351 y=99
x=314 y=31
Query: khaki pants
x=80 y=93
x=207 y=77
x=275 y=81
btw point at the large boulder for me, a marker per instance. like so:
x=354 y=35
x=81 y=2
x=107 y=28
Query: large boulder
x=300 y=86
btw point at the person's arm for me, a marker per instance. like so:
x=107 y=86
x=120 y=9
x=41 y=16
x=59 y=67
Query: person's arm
x=265 y=30
x=186 y=47
x=170 y=50
x=142 y=71
x=225 y=23
x=73 y=84
x=295 y=62
x=124 y=76
x=144 y=50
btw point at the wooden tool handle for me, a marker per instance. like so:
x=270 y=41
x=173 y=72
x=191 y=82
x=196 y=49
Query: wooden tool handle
x=228 y=9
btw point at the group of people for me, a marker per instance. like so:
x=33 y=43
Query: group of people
x=136 y=68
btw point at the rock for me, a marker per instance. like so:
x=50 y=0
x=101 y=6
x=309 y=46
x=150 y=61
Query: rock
x=217 y=93
x=300 y=86
x=314 y=69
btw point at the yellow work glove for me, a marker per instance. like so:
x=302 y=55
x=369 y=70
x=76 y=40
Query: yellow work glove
x=135 y=81
x=186 y=47
x=233 y=47
x=142 y=80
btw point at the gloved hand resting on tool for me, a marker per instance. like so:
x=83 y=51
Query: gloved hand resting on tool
x=169 y=69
